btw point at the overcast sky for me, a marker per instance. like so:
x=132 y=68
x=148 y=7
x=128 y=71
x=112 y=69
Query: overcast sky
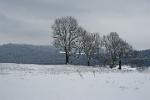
x=29 y=21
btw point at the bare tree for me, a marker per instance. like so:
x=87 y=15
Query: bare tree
x=65 y=33
x=124 y=51
x=111 y=43
x=116 y=49
x=90 y=44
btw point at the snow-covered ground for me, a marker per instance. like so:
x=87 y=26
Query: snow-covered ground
x=61 y=82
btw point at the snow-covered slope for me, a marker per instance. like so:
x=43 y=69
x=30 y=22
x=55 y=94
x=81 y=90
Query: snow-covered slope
x=61 y=82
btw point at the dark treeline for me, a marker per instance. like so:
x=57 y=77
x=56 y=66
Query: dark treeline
x=31 y=54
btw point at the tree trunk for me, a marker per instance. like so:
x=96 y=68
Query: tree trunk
x=88 y=63
x=67 y=58
x=119 y=64
x=111 y=66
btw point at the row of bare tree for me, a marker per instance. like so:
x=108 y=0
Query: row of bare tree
x=73 y=39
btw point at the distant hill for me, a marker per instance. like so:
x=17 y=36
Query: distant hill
x=144 y=53
x=31 y=54
x=142 y=58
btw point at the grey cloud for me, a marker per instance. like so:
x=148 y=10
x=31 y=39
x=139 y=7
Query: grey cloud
x=40 y=8
x=10 y=25
x=29 y=21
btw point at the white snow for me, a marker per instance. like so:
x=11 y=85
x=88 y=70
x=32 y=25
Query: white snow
x=62 y=52
x=68 y=82
x=128 y=68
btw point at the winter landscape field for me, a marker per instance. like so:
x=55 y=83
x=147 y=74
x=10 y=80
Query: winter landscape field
x=74 y=50
x=69 y=82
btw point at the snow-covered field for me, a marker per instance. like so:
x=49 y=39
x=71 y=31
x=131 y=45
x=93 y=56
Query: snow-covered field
x=61 y=82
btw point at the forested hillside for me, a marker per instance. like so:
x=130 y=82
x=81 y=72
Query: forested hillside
x=31 y=54
x=17 y=53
